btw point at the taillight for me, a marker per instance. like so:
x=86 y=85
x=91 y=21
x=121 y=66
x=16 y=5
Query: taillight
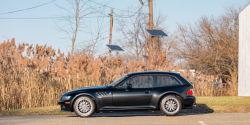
x=190 y=92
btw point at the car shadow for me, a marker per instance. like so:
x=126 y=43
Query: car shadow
x=123 y=114
x=200 y=109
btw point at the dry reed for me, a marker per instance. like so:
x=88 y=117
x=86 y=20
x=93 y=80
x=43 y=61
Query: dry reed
x=37 y=76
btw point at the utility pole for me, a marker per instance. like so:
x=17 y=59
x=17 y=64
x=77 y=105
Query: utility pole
x=151 y=25
x=110 y=31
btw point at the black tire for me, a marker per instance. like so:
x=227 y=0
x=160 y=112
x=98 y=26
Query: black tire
x=170 y=105
x=84 y=106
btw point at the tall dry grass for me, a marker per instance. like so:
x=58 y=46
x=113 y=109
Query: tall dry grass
x=36 y=76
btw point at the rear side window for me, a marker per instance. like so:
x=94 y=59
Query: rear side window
x=144 y=81
x=164 y=80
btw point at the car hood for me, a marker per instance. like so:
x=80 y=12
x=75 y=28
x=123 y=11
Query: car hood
x=85 y=89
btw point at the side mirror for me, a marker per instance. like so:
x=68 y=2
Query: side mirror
x=129 y=86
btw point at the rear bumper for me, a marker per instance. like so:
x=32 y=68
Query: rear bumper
x=65 y=107
x=189 y=102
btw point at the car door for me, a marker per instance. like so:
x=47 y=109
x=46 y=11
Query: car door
x=138 y=95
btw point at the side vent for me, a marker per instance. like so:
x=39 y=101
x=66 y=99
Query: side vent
x=102 y=94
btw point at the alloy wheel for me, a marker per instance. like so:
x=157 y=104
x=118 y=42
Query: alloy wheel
x=170 y=105
x=84 y=106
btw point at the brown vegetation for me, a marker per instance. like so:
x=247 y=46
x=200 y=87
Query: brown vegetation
x=211 y=45
x=36 y=76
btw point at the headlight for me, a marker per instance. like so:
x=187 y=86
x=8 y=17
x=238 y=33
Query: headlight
x=65 y=97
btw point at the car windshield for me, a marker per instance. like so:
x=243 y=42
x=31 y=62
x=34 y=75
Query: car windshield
x=118 y=81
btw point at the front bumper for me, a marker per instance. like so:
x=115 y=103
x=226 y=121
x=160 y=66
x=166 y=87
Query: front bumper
x=65 y=107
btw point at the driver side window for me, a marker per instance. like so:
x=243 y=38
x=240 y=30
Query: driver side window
x=123 y=84
x=143 y=81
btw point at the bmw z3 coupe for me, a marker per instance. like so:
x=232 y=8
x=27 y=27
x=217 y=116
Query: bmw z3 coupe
x=149 y=90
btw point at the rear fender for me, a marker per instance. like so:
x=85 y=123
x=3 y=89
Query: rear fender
x=170 y=93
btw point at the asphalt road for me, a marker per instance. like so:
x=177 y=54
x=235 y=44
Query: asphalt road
x=138 y=118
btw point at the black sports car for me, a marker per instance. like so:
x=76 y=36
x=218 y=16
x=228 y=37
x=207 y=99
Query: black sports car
x=151 y=90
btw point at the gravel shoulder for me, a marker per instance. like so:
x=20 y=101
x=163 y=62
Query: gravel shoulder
x=138 y=118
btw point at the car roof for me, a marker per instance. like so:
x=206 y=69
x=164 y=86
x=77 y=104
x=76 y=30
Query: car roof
x=153 y=72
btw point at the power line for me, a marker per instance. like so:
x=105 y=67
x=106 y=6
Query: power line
x=128 y=16
x=123 y=21
x=28 y=8
x=98 y=11
x=44 y=17
x=110 y=7
x=101 y=12
x=116 y=17
x=31 y=18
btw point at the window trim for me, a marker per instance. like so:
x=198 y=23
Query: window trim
x=111 y=85
x=153 y=75
x=180 y=83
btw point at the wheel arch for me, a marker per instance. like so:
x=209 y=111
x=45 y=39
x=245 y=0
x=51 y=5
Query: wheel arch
x=170 y=93
x=84 y=94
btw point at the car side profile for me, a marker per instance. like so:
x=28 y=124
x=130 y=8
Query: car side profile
x=149 y=90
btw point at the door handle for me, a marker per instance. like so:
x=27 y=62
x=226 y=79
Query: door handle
x=146 y=92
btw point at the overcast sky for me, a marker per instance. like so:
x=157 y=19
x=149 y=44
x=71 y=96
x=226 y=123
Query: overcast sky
x=43 y=31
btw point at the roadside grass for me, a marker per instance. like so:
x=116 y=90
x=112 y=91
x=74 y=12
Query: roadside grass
x=224 y=104
x=50 y=110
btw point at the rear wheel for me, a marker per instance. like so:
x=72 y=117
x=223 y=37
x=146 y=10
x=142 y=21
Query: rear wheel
x=170 y=105
x=84 y=106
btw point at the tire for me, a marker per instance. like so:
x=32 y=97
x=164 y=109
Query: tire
x=84 y=106
x=170 y=105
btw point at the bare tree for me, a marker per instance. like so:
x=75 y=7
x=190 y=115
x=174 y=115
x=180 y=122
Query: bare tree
x=135 y=37
x=96 y=35
x=74 y=19
x=132 y=35
x=211 y=45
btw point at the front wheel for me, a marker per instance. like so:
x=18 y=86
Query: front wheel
x=170 y=105
x=84 y=106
